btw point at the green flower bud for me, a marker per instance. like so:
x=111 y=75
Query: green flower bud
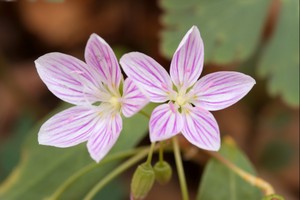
x=163 y=172
x=142 y=181
x=273 y=197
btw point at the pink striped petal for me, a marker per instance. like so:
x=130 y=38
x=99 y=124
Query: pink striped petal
x=70 y=79
x=102 y=59
x=103 y=140
x=69 y=127
x=219 y=90
x=201 y=129
x=133 y=100
x=165 y=122
x=187 y=62
x=150 y=77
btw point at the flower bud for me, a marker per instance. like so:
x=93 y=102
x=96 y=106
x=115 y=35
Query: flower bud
x=273 y=197
x=142 y=181
x=163 y=172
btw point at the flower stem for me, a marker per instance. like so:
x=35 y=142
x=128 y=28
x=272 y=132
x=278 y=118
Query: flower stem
x=144 y=113
x=89 y=168
x=127 y=164
x=180 y=171
x=256 y=181
x=150 y=154
x=161 y=151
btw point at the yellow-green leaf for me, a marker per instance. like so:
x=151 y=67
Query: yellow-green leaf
x=219 y=182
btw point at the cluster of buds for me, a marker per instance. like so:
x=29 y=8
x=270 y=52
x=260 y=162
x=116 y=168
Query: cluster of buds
x=145 y=176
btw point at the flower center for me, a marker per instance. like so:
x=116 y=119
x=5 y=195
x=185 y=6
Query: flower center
x=115 y=102
x=180 y=100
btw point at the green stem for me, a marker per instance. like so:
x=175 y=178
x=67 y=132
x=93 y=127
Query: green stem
x=127 y=164
x=145 y=114
x=150 y=154
x=180 y=171
x=161 y=152
x=89 y=168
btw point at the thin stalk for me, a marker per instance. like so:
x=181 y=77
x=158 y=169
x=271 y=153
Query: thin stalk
x=256 y=181
x=89 y=168
x=150 y=154
x=180 y=171
x=145 y=114
x=161 y=152
x=127 y=164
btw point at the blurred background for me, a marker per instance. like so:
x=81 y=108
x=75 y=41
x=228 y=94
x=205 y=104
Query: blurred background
x=260 y=38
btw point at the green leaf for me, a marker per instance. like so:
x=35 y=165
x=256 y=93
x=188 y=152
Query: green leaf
x=231 y=29
x=280 y=62
x=43 y=169
x=10 y=148
x=218 y=182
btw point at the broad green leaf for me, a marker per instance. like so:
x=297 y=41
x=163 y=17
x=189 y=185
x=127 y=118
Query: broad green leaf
x=10 y=148
x=117 y=186
x=280 y=61
x=218 y=182
x=43 y=169
x=231 y=29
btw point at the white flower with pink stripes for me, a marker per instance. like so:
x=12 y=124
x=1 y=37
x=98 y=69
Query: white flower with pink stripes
x=188 y=100
x=94 y=88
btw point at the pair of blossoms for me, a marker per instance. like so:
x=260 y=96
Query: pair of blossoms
x=101 y=95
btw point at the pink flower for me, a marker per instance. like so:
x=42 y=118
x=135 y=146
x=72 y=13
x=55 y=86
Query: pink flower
x=94 y=88
x=188 y=100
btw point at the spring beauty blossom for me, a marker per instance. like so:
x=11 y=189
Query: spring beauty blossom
x=94 y=88
x=188 y=100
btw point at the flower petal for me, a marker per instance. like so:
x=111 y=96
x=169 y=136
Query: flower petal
x=133 y=100
x=201 y=129
x=102 y=141
x=69 y=127
x=219 y=90
x=102 y=59
x=165 y=122
x=150 y=77
x=187 y=62
x=70 y=79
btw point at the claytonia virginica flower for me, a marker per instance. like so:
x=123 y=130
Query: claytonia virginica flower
x=188 y=100
x=94 y=88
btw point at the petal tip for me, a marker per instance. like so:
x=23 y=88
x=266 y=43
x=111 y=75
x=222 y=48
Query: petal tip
x=96 y=156
x=152 y=138
x=123 y=57
x=253 y=81
x=216 y=147
x=42 y=140
x=97 y=37
x=195 y=28
x=42 y=59
x=250 y=82
x=97 y=159
x=130 y=54
x=94 y=35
